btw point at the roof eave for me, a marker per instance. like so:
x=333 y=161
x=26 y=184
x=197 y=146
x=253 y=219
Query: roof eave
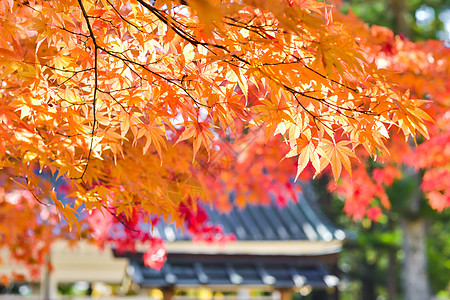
x=295 y=248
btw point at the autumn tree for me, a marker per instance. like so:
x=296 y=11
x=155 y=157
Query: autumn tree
x=143 y=108
x=416 y=172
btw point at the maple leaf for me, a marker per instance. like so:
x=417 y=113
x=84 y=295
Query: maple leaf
x=307 y=151
x=154 y=135
x=273 y=112
x=201 y=133
x=68 y=213
x=156 y=255
x=438 y=201
x=374 y=213
x=337 y=155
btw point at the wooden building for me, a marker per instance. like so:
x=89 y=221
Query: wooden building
x=278 y=250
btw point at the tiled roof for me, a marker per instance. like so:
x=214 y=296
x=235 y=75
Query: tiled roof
x=294 y=221
x=246 y=271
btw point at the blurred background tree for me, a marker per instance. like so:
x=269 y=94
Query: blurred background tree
x=373 y=263
x=415 y=19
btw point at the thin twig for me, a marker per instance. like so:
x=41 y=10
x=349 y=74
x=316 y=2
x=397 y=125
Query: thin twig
x=96 y=48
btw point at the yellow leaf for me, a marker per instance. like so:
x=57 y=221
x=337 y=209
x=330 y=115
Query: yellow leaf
x=68 y=213
x=337 y=155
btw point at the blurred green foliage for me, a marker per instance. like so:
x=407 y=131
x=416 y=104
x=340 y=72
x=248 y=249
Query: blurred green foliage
x=380 y=12
x=371 y=263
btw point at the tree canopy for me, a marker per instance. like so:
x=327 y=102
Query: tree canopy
x=403 y=182
x=423 y=69
x=139 y=109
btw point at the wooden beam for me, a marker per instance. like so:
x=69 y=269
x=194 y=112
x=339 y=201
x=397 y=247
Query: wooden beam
x=168 y=293
x=285 y=293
